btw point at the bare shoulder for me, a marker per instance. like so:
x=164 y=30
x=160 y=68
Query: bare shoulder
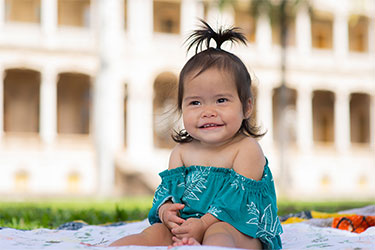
x=180 y=152
x=175 y=158
x=250 y=159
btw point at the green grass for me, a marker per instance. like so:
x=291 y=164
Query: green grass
x=51 y=214
x=286 y=207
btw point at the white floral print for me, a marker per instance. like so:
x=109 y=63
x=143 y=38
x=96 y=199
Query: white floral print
x=195 y=183
x=214 y=211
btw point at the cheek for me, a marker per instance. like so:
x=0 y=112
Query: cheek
x=237 y=118
x=187 y=119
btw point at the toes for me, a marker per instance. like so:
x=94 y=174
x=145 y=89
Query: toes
x=193 y=241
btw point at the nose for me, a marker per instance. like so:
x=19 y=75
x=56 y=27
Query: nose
x=209 y=112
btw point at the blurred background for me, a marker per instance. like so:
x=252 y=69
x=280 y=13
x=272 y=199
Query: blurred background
x=88 y=87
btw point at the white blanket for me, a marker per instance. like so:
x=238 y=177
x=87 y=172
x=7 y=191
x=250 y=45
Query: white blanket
x=295 y=236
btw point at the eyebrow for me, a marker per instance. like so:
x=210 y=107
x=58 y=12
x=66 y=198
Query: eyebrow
x=199 y=97
x=191 y=98
x=224 y=95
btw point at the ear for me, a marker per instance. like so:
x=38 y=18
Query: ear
x=248 y=109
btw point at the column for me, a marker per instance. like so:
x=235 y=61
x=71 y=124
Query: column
x=48 y=106
x=304 y=119
x=340 y=34
x=372 y=122
x=264 y=113
x=2 y=75
x=263 y=34
x=140 y=114
x=190 y=12
x=107 y=96
x=217 y=17
x=342 y=121
x=140 y=26
x=303 y=31
x=49 y=19
x=2 y=13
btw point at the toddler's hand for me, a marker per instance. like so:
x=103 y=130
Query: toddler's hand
x=169 y=214
x=191 y=228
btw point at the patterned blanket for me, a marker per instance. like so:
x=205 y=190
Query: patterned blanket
x=303 y=235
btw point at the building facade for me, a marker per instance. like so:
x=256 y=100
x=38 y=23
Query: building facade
x=87 y=91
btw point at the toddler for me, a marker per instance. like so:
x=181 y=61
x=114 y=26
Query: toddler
x=218 y=189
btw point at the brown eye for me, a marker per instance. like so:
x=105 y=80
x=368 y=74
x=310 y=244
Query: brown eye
x=222 y=100
x=194 y=103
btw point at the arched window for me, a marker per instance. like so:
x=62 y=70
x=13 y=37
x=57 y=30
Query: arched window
x=21 y=101
x=360 y=118
x=164 y=102
x=74 y=13
x=322 y=30
x=244 y=20
x=22 y=11
x=73 y=103
x=289 y=100
x=323 y=116
x=167 y=15
x=358 y=33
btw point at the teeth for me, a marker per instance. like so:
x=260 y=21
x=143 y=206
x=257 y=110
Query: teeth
x=209 y=125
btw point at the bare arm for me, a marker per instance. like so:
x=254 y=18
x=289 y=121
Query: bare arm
x=169 y=211
x=175 y=159
x=250 y=160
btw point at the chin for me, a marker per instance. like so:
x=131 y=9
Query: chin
x=214 y=141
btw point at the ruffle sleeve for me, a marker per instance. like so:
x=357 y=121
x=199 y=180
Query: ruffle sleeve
x=252 y=207
x=171 y=188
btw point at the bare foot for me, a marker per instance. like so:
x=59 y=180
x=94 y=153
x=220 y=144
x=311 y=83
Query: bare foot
x=184 y=242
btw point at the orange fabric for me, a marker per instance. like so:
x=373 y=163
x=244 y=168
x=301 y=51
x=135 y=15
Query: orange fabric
x=354 y=223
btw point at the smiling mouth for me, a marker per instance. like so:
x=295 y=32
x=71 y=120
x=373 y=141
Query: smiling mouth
x=211 y=125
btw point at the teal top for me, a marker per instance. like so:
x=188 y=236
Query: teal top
x=248 y=205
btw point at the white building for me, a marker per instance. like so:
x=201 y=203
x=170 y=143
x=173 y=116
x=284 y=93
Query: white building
x=84 y=91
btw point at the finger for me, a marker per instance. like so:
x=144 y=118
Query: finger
x=177 y=242
x=172 y=225
x=177 y=206
x=180 y=230
x=177 y=220
x=191 y=241
x=182 y=236
x=175 y=239
x=180 y=242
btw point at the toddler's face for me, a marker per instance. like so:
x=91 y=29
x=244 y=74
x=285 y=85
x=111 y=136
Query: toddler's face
x=211 y=108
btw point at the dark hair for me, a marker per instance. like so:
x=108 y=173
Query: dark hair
x=219 y=59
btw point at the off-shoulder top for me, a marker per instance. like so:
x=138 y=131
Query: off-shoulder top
x=246 y=204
